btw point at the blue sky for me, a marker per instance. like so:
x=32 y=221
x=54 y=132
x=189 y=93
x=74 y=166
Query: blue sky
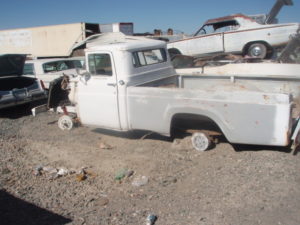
x=185 y=16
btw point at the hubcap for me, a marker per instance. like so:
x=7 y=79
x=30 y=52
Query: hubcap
x=256 y=51
x=200 y=141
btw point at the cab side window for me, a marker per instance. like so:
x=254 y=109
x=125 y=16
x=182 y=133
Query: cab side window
x=100 y=64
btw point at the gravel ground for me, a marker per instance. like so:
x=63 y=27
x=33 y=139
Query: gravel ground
x=121 y=178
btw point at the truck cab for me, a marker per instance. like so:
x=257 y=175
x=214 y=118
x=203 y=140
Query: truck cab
x=113 y=66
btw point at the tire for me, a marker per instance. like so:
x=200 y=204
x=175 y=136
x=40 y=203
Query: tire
x=257 y=50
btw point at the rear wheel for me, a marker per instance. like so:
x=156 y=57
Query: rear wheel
x=257 y=50
x=201 y=141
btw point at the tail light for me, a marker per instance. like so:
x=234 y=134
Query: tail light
x=42 y=84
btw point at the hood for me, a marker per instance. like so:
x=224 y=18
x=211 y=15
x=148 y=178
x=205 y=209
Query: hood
x=11 y=64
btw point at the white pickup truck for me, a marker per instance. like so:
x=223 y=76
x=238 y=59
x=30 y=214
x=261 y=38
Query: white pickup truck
x=238 y=34
x=131 y=84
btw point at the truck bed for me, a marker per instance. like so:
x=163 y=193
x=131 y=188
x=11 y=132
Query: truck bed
x=243 y=115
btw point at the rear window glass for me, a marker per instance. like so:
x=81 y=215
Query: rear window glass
x=28 y=69
x=149 y=57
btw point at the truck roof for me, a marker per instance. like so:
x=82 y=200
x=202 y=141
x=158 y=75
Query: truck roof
x=119 y=41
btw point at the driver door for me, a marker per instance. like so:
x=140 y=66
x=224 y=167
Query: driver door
x=206 y=41
x=97 y=95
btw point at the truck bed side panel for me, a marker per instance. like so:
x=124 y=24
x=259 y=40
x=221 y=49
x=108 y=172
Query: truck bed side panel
x=244 y=117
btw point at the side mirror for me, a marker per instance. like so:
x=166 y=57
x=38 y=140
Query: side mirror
x=81 y=72
x=84 y=75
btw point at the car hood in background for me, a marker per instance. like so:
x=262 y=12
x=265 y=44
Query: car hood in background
x=11 y=64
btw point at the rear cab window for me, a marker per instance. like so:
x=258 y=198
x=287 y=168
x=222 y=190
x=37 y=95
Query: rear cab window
x=149 y=57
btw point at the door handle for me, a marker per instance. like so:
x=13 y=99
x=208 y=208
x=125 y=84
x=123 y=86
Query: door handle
x=111 y=84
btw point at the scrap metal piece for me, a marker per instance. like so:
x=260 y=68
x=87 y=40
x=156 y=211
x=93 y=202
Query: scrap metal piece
x=275 y=10
x=291 y=53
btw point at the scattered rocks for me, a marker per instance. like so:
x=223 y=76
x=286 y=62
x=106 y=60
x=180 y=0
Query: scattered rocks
x=38 y=170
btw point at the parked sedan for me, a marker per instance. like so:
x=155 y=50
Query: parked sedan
x=238 y=34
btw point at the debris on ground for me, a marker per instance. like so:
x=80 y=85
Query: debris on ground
x=54 y=173
x=123 y=173
x=140 y=181
x=103 y=145
x=151 y=219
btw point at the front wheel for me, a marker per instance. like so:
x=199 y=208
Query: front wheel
x=65 y=122
x=257 y=50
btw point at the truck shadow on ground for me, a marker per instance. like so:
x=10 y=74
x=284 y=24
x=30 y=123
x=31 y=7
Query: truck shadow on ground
x=254 y=148
x=144 y=135
x=15 y=112
x=133 y=135
x=14 y=211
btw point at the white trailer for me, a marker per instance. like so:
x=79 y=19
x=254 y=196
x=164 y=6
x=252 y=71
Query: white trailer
x=45 y=41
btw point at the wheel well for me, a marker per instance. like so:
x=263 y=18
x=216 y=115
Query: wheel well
x=245 y=49
x=182 y=122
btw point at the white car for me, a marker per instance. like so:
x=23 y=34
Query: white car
x=238 y=34
x=49 y=69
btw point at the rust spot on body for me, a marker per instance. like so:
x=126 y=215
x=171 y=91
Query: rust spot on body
x=266 y=97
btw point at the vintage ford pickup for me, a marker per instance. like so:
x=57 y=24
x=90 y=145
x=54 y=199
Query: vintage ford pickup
x=239 y=34
x=131 y=84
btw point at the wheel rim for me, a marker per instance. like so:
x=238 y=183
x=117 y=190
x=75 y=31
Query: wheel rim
x=256 y=51
x=65 y=123
x=200 y=141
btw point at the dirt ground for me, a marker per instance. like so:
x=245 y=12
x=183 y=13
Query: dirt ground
x=236 y=185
